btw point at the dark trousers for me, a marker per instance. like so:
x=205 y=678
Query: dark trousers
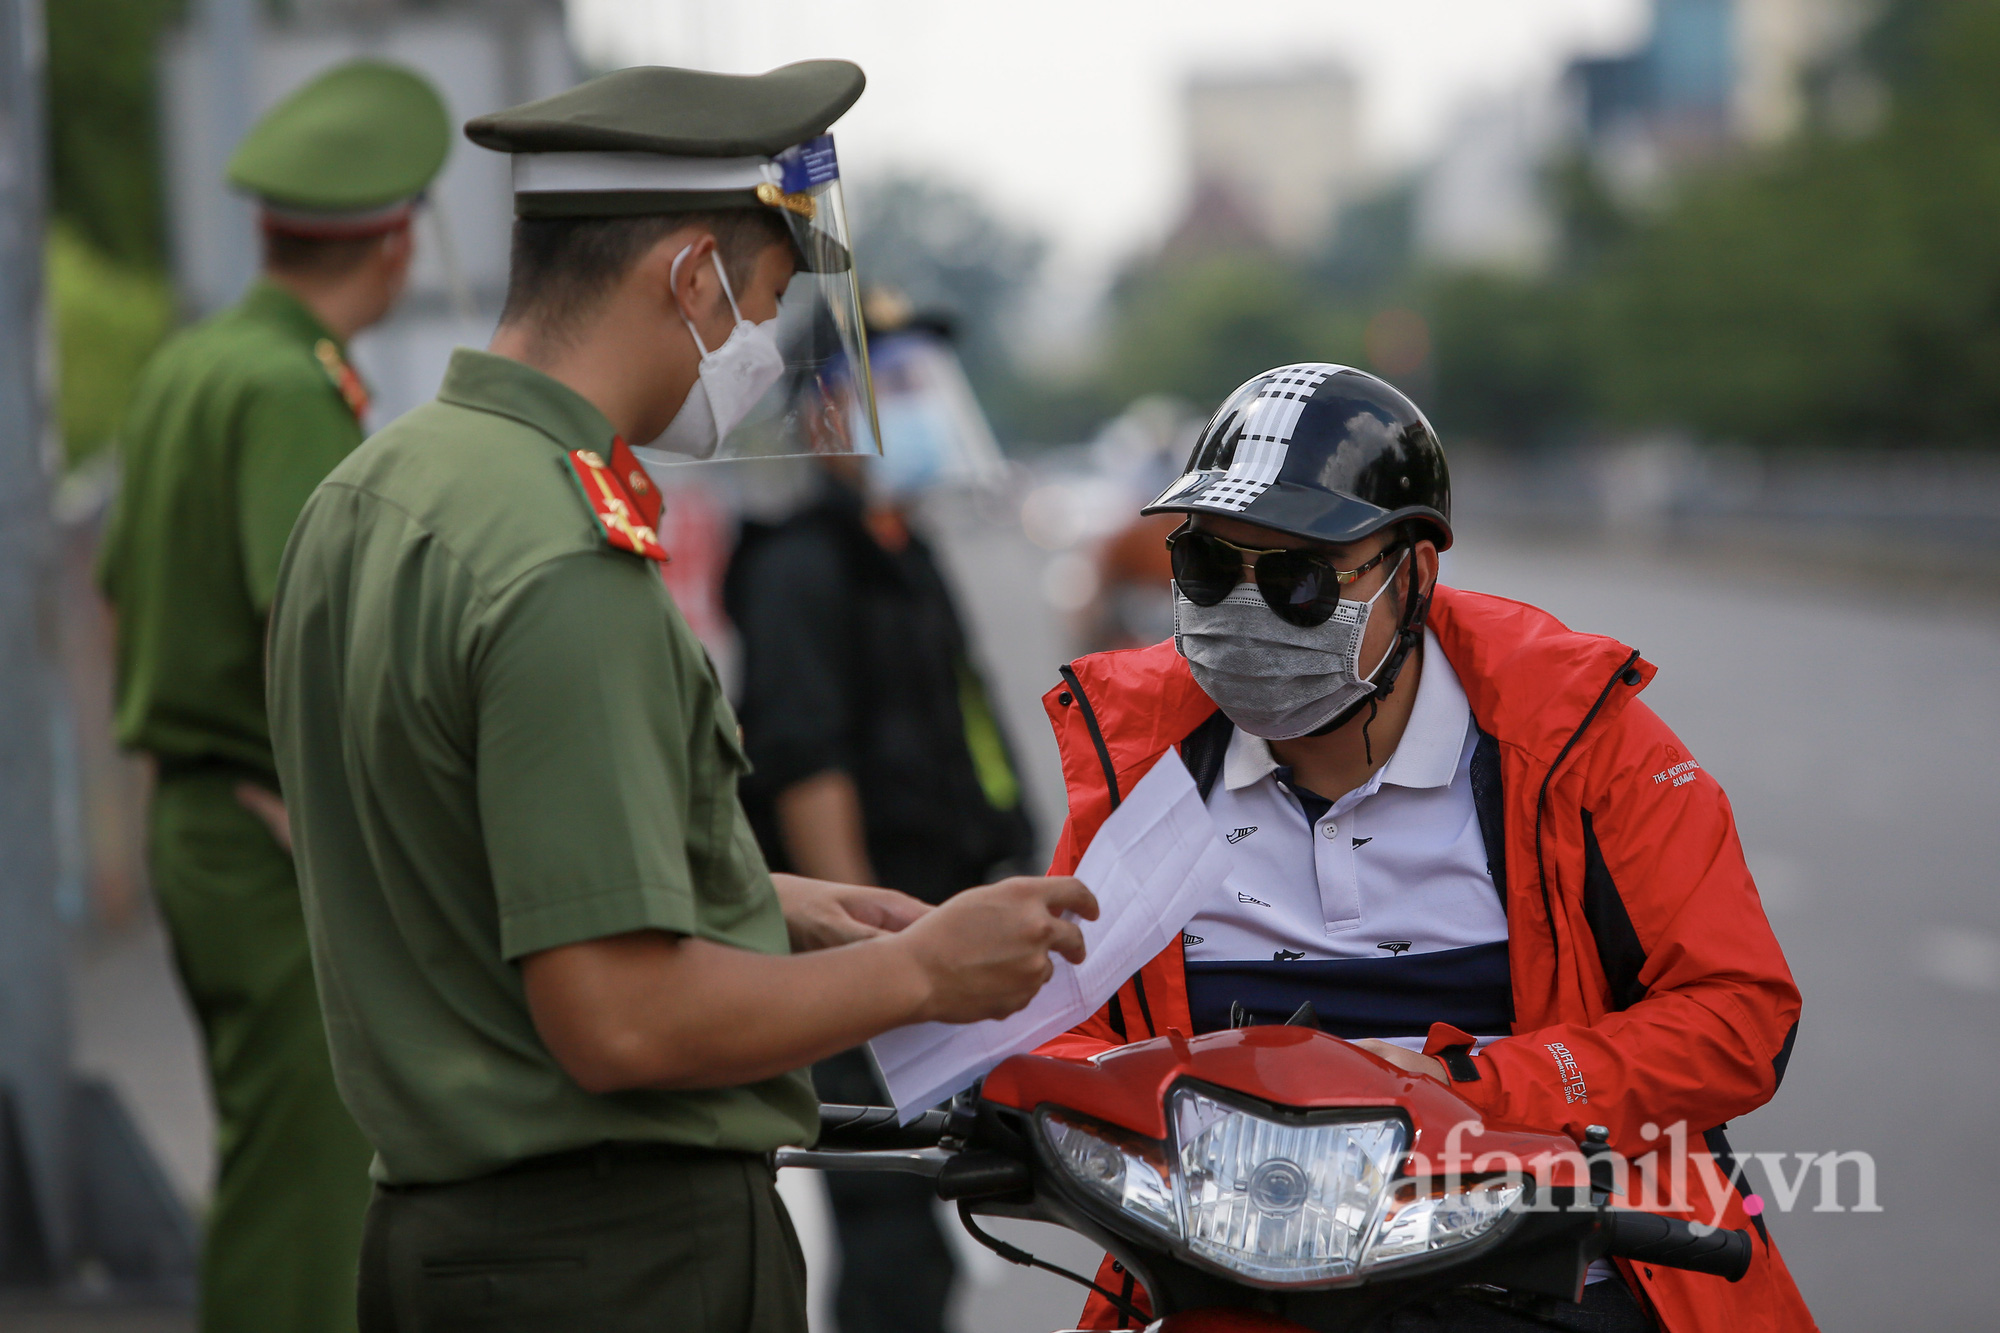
x=617 y=1239
x=292 y=1171
x=895 y=1264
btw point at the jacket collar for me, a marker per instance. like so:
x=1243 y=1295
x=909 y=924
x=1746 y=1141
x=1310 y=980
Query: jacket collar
x=1531 y=680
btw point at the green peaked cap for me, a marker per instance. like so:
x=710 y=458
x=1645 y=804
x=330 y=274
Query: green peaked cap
x=362 y=136
x=679 y=112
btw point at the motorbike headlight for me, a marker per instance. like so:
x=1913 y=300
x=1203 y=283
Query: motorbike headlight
x=1281 y=1203
x=1124 y=1170
x=1422 y=1220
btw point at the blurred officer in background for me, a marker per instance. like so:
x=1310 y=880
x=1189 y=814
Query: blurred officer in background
x=877 y=754
x=233 y=424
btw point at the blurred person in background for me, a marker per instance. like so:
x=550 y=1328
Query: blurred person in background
x=1455 y=833
x=1141 y=450
x=877 y=753
x=233 y=424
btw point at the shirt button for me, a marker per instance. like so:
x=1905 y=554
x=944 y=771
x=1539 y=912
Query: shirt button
x=1330 y=830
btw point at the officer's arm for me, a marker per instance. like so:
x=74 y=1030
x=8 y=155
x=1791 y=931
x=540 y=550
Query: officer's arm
x=648 y=1009
x=790 y=604
x=820 y=821
x=620 y=869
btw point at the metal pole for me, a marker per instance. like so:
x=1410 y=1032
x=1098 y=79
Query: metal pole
x=229 y=29
x=34 y=1001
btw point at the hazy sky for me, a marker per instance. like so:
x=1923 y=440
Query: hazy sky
x=1065 y=113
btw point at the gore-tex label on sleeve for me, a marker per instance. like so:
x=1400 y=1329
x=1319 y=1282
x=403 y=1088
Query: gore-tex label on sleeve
x=1572 y=1077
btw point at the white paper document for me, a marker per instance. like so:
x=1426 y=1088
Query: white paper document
x=1152 y=865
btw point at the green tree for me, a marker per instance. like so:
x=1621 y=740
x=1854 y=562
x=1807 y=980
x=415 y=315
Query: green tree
x=103 y=141
x=1508 y=361
x=1198 y=329
x=1838 y=289
x=109 y=317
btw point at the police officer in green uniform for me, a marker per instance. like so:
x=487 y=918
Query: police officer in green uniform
x=567 y=1003
x=234 y=423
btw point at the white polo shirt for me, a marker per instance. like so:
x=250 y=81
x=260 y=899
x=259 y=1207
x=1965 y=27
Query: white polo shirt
x=1383 y=904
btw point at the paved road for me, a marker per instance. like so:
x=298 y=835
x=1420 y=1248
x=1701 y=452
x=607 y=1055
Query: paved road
x=1856 y=733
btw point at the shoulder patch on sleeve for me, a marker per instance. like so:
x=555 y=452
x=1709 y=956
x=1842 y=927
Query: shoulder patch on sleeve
x=352 y=391
x=1680 y=770
x=627 y=521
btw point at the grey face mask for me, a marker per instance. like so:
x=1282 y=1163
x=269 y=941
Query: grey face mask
x=1275 y=679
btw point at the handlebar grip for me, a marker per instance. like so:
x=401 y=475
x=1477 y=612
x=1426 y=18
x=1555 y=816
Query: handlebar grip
x=865 y=1128
x=1671 y=1243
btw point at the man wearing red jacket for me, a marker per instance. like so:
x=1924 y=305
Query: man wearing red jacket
x=1455 y=830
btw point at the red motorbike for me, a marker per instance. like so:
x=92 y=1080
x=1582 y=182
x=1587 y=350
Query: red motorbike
x=1271 y=1178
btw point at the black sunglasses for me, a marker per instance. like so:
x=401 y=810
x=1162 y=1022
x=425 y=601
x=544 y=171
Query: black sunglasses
x=1302 y=587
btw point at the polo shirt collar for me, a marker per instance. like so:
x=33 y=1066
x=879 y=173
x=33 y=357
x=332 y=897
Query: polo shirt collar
x=1427 y=755
x=509 y=388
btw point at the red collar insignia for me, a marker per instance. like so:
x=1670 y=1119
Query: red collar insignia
x=624 y=501
x=352 y=391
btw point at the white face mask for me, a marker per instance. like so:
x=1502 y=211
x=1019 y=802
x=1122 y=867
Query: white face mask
x=732 y=377
x=1275 y=679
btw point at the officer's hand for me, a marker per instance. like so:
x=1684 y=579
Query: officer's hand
x=268 y=807
x=985 y=953
x=820 y=914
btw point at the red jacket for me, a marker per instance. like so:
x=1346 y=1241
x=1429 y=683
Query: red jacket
x=1637 y=943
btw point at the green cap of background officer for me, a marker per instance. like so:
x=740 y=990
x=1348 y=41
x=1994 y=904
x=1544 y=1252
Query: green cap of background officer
x=347 y=156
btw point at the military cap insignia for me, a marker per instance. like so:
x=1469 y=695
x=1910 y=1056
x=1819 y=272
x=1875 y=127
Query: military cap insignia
x=625 y=503
x=352 y=391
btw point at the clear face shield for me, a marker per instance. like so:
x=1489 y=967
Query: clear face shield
x=934 y=434
x=800 y=384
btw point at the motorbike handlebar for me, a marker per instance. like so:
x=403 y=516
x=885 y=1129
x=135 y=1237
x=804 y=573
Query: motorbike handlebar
x=1671 y=1243
x=871 y=1128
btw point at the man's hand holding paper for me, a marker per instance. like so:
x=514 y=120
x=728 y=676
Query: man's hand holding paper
x=1149 y=868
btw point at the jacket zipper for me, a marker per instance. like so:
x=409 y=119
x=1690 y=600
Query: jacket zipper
x=1138 y=982
x=1542 y=797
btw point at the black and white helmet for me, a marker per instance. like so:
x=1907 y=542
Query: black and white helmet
x=1320 y=451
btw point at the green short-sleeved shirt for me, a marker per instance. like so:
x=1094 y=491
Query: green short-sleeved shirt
x=497 y=735
x=232 y=424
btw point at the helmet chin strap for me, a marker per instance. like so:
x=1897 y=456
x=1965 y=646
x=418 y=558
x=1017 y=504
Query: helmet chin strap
x=1409 y=633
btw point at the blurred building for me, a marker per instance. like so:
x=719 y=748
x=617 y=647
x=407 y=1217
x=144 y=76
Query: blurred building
x=1271 y=157
x=233 y=59
x=1481 y=203
x=1712 y=74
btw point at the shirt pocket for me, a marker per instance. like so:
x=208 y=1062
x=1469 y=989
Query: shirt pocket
x=723 y=869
